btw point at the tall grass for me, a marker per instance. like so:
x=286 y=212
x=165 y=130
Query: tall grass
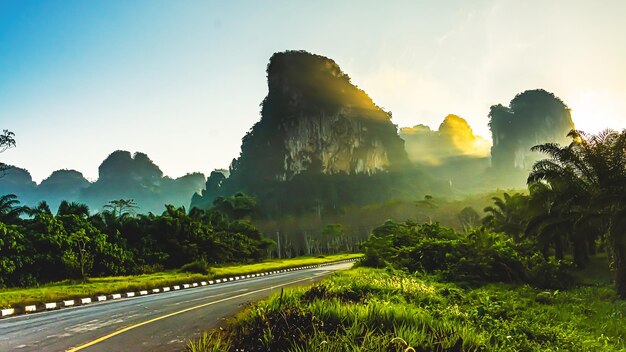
x=116 y=284
x=379 y=310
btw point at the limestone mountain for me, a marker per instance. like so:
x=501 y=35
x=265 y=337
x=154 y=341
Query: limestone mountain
x=314 y=124
x=315 y=119
x=62 y=185
x=453 y=139
x=121 y=175
x=533 y=117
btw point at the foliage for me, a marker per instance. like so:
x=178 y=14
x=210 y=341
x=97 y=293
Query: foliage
x=583 y=188
x=73 y=244
x=7 y=140
x=508 y=214
x=478 y=257
x=379 y=310
x=199 y=266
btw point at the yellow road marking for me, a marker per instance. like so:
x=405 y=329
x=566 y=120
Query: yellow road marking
x=106 y=337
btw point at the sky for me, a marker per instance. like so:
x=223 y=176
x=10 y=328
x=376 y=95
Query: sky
x=182 y=80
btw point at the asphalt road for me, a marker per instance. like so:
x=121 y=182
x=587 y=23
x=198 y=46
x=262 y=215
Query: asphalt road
x=159 y=322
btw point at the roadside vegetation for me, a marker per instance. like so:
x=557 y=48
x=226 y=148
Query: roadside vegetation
x=55 y=292
x=369 y=309
x=542 y=271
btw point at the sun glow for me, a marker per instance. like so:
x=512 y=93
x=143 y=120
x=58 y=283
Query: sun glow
x=590 y=108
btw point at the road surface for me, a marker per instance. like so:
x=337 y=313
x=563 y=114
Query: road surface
x=159 y=322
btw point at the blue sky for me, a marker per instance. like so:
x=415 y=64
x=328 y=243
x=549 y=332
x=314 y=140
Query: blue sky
x=182 y=80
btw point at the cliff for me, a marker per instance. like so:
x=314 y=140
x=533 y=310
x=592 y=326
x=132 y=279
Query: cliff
x=314 y=123
x=533 y=117
x=315 y=119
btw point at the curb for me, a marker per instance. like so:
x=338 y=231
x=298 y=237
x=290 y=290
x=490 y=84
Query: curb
x=36 y=308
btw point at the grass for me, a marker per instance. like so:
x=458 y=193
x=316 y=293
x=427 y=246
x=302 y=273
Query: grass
x=378 y=310
x=65 y=290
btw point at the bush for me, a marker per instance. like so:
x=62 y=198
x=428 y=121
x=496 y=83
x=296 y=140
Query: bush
x=199 y=266
x=481 y=256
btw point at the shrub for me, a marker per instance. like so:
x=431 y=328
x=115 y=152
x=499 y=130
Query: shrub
x=481 y=256
x=199 y=266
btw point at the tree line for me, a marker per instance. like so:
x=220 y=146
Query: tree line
x=39 y=246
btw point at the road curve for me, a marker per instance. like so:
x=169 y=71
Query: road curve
x=161 y=322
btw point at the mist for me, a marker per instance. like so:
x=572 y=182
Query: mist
x=122 y=175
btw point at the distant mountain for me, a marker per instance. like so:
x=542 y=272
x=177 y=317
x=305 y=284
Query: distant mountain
x=62 y=185
x=121 y=176
x=452 y=140
x=533 y=117
x=18 y=181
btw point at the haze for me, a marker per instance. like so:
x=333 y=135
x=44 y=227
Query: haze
x=182 y=81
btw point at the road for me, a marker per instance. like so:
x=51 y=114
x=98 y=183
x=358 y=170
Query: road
x=159 y=322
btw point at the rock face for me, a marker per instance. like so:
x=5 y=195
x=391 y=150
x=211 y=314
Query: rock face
x=316 y=128
x=315 y=119
x=339 y=143
x=532 y=117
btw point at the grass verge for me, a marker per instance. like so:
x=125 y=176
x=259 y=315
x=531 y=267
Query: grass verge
x=64 y=290
x=378 y=310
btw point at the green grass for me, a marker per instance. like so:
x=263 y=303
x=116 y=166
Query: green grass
x=377 y=310
x=64 y=290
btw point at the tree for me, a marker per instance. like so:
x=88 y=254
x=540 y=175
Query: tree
x=239 y=206
x=591 y=173
x=11 y=253
x=73 y=208
x=7 y=140
x=508 y=214
x=469 y=218
x=41 y=208
x=10 y=209
x=77 y=257
x=122 y=207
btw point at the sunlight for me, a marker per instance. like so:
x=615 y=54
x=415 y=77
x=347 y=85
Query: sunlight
x=591 y=107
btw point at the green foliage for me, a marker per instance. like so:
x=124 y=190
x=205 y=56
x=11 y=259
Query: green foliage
x=11 y=253
x=379 y=310
x=508 y=214
x=76 y=245
x=583 y=189
x=199 y=266
x=10 y=209
x=7 y=140
x=478 y=257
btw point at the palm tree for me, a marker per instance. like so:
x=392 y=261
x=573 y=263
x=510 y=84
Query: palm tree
x=591 y=173
x=73 y=208
x=551 y=220
x=10 y=209
x=122 y=208
x=41 y=208
x=508 y=214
